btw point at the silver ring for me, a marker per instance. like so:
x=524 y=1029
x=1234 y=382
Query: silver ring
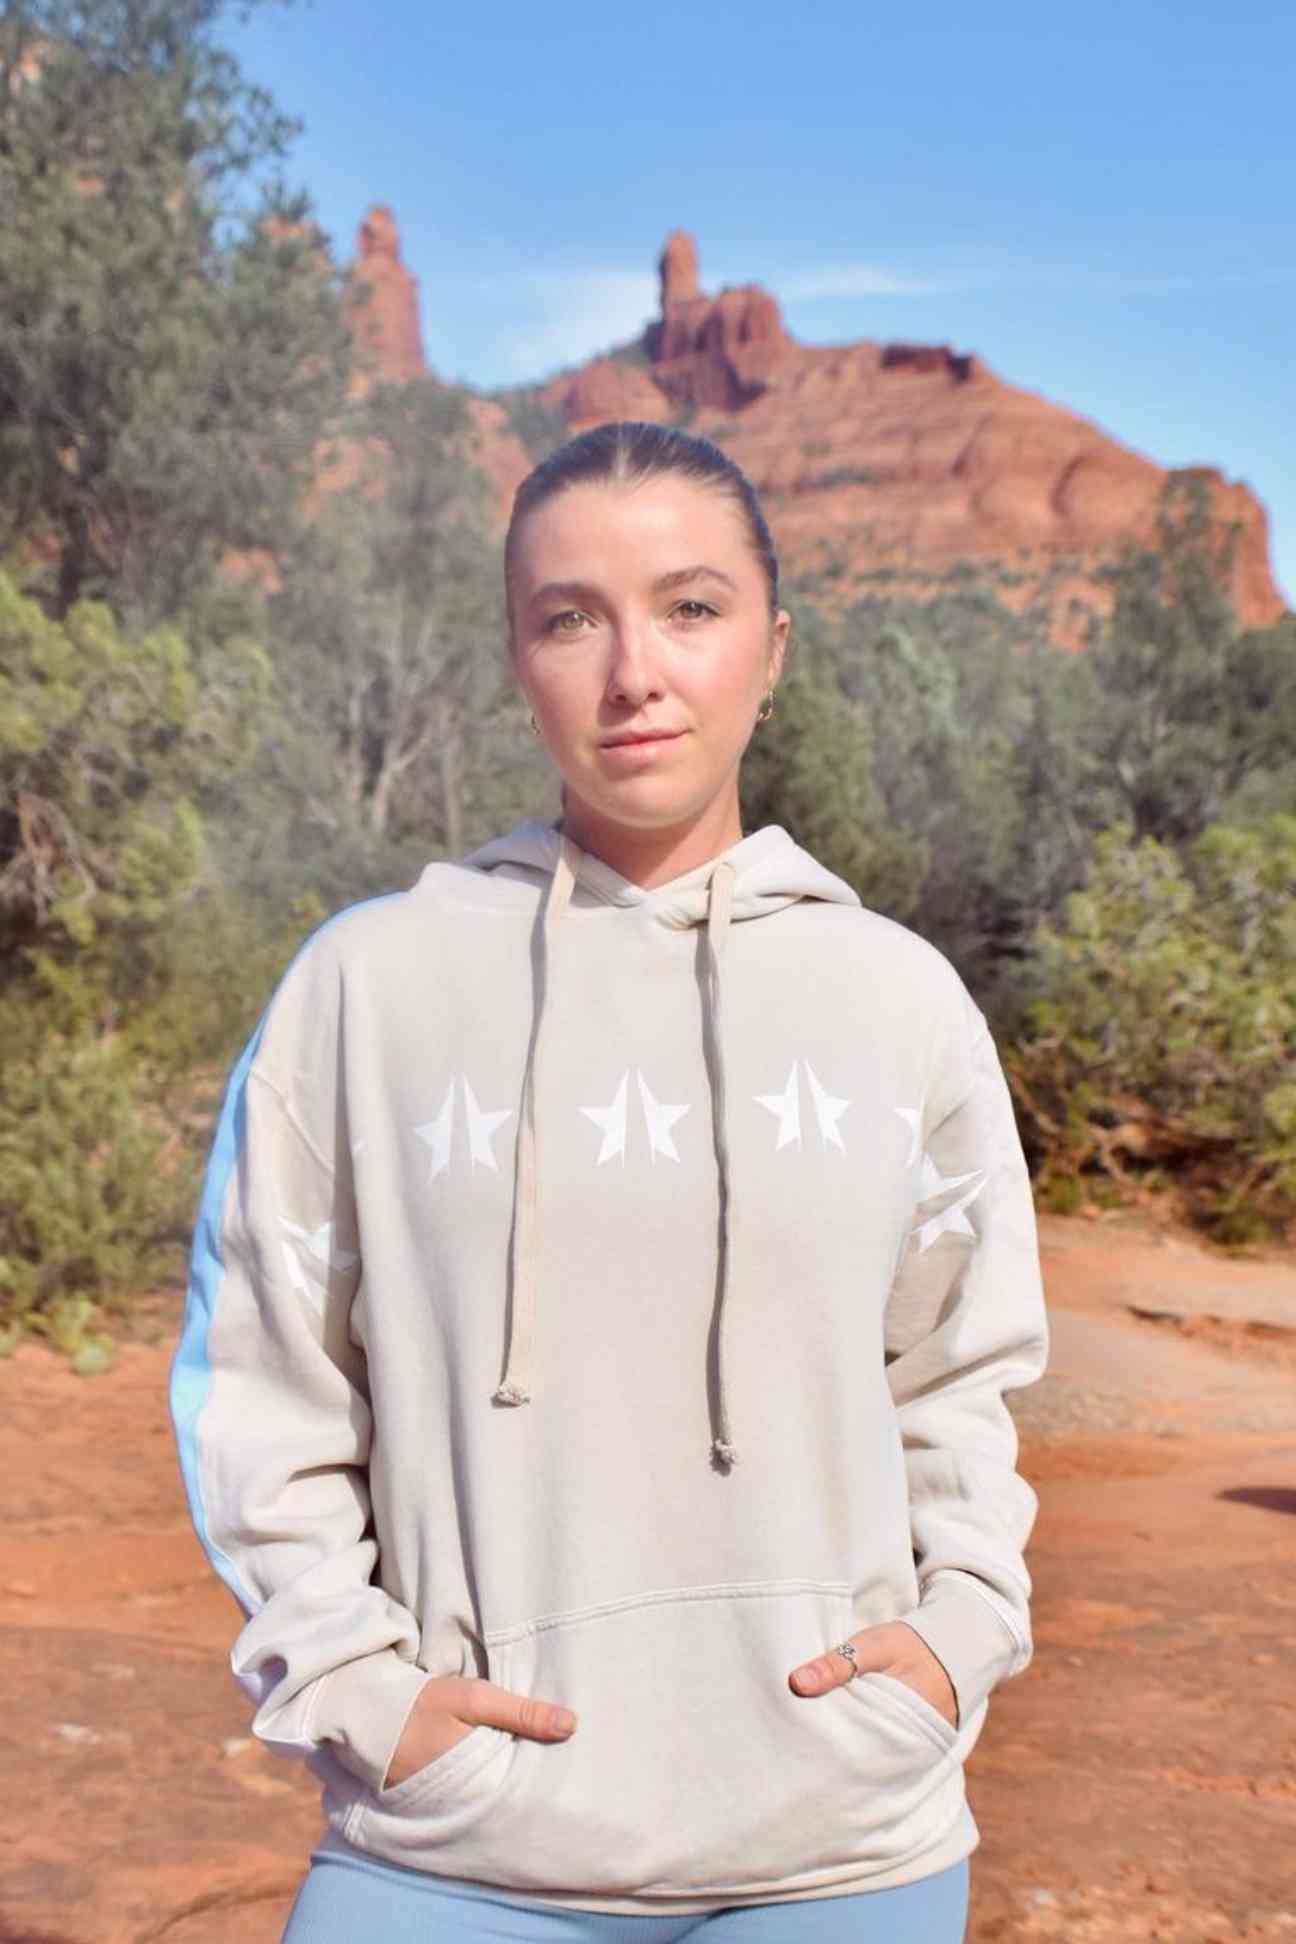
x=849 y=1651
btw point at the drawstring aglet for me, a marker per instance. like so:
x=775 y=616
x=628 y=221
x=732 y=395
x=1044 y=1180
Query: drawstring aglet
x=511 y=1394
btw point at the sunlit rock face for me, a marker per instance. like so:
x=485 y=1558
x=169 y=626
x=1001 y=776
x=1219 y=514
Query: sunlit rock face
x=385 y=310
x=881 y=465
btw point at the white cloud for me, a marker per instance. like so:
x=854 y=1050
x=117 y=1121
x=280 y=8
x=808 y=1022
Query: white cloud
x=537 y=321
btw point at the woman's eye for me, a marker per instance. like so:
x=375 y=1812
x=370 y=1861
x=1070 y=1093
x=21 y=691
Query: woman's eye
x=569 y=621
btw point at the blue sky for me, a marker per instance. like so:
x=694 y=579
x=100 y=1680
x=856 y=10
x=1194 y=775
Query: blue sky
x=1101 y=201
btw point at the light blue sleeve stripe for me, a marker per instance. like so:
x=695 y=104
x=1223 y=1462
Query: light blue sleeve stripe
x=191 y=1367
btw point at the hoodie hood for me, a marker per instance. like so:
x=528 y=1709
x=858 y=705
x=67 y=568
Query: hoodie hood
x=757 y=877
x=770 y=871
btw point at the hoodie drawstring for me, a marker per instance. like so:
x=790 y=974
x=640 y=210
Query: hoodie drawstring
x=514 y=1387
x=720 y=892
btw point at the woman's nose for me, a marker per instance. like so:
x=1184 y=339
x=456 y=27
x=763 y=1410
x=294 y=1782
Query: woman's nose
x=632 y=673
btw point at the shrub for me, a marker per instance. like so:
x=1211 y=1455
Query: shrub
x=95 y=1192
x=1162 y=1034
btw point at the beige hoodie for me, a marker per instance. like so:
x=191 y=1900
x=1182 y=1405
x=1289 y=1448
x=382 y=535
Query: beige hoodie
x=612 y=1292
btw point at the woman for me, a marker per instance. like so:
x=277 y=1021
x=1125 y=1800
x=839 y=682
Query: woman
x=613 y=1256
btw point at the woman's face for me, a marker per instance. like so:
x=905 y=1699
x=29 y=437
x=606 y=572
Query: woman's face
x=643 y=642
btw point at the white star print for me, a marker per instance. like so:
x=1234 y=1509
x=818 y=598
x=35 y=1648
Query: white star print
x=932 y=1182
x=786 y=1107
x=438 y=1134
x=660 y=1120
x=612 y=1120
x=318 y=1244
x=481 y=1128
x=483 y=1124
x=828 y=1110
x=952 y=1218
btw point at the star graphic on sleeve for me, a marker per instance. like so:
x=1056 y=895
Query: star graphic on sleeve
x=660 y=1120
x=481 y=1128
x=612 y=1120
x=786 y=1108
x=439 y=1133
x=318 y=1245
x=828 y=1110
x=951 y=1219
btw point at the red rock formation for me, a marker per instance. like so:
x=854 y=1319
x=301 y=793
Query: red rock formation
x=385 y=319
x=887 y=465
x=678 y=271
x=716 y=351
x=891 y=464
x=606 y=389
x=389 y=347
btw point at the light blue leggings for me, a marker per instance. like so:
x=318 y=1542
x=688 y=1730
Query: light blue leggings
x=349 y=1898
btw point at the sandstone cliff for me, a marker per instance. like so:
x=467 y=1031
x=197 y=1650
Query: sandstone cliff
x=384 y=313
x=880 y=465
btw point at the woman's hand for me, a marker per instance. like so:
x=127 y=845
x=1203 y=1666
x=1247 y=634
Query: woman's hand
x=890 y=1649
x=450 y=1706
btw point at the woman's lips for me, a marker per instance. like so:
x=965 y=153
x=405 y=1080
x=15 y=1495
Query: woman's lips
x=635 y=739
x=640 y=751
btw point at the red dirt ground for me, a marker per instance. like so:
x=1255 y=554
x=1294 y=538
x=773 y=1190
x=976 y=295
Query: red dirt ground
x=1136 y=1783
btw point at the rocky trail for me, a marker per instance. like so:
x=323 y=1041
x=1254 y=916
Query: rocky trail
x=1138 y=1782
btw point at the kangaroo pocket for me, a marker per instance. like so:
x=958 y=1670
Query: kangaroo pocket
x=694 y=1768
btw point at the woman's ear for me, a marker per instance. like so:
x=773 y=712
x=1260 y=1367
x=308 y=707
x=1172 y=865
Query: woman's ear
x=779 y=630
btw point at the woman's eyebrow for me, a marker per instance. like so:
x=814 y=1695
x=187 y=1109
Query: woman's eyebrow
x=582 y=590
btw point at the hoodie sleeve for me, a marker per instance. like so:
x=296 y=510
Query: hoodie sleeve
x=270 y=1403
x=966 y=1322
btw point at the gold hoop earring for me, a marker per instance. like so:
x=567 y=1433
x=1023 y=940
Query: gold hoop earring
x=766 y=709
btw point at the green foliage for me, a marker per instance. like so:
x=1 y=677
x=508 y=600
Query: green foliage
x=816 y=733
x=169 y=355
x=391 y=629
x=107 y=739
x=539 y=426
x=95 y=1194
x=104 y=738
x=1163 y=1030
x=958 y=693
x=103 y=1126
x=1182 y=706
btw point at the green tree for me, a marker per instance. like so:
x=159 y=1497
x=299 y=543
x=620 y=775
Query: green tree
x=1184 y=708
x=391 y=628
x=959 y=693
x=106 y=737
x=172 y=341
x=1162 y=1032
x=809 y=768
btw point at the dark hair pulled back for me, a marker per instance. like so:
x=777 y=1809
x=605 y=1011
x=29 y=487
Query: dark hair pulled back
x=626 y=452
